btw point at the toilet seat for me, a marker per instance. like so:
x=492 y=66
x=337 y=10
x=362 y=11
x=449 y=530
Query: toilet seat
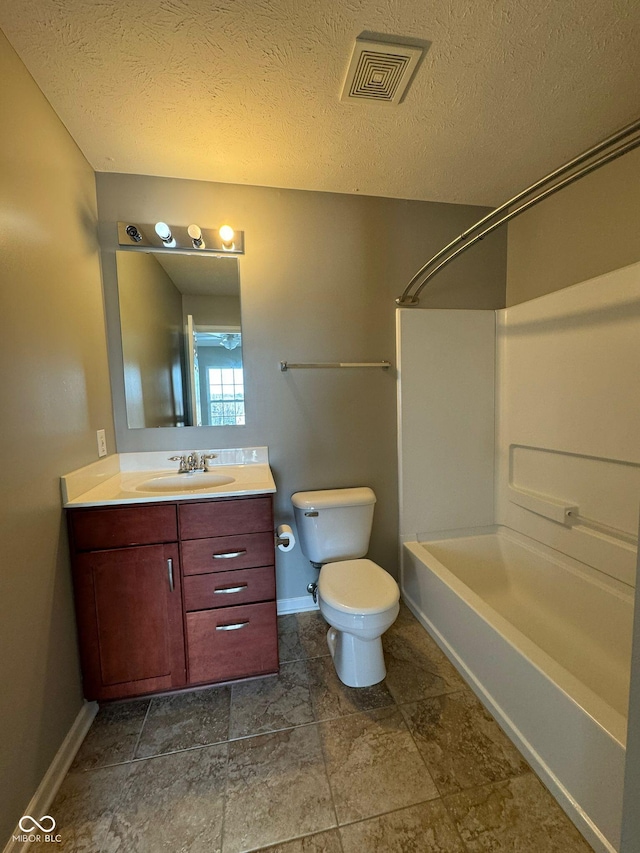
x=357 y=587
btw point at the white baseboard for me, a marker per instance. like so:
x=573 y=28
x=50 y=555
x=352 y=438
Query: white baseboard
x=295 y=605
x=52 y=779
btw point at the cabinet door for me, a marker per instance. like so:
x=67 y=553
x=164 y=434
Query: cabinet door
x=129 y=609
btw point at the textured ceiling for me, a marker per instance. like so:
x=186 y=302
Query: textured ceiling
x=247 y=91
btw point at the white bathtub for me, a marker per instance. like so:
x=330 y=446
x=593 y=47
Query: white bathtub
x=545 y=641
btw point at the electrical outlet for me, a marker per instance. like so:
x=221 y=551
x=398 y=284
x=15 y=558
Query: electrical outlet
x=102 y=443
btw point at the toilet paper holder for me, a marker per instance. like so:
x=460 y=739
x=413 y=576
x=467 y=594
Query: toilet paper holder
x=284 y=538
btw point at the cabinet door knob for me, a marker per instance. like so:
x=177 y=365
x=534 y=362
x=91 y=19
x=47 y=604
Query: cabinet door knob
x=228 y=589
x=229 y=554
x=170 y=573
x=234 y=627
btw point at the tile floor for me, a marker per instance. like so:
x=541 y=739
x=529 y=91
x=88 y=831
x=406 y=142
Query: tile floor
x=299 y=763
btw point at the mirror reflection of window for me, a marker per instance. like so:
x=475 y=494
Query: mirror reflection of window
x=221 y=376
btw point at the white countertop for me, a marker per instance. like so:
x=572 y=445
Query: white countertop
x=119 y=479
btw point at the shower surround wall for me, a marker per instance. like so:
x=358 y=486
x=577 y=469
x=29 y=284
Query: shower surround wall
x=567 y=417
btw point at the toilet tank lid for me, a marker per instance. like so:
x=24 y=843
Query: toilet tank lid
x=328 y=498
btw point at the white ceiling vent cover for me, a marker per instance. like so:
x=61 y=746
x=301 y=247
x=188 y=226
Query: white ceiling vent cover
x=380 y=71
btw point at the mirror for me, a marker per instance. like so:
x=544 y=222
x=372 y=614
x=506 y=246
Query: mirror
x=181 y=339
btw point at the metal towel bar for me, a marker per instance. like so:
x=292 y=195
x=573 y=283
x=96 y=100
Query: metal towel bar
x=288 y=365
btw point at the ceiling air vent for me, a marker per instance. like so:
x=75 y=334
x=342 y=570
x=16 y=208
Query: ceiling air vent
x=380 y=71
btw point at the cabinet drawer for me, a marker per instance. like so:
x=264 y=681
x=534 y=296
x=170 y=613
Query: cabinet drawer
x=222 y=589
x=98 y=529
x=232 y=642
x=226 y=553
x=225 y=518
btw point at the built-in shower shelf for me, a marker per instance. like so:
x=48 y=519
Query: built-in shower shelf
x=556 y=510
x=565 y=513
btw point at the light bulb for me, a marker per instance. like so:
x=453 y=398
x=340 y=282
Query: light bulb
x=226 y=234
x=195 y=232
x=164 y=233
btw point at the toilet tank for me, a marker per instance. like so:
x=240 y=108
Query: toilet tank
x=334 y=524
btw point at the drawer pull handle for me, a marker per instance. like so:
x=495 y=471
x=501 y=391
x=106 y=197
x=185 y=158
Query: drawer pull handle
x=234 y=627
x=170 y=573
x=228 y=555
x=227 y=589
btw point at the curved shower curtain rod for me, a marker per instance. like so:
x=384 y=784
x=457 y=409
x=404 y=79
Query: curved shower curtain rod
x=461 y=243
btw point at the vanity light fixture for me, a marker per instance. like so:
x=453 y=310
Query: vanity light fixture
x=161 y=237
x=195 y=232
x=164 y=233
x=226 y=235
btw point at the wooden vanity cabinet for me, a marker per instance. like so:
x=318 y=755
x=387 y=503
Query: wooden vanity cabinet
x=127 y=583
x=173 y=594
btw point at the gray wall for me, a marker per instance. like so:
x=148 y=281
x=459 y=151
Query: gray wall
x=585 y=230
x=152 y=342
x=212 y=310
x=318 y=283
x=55 y=395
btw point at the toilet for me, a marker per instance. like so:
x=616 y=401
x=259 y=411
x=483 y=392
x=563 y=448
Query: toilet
x=358 y=598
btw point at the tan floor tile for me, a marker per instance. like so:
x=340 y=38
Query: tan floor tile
x=323 y=842
x=331 y=698
x=373 y=764
x=461 y=743
x=83 y=809
x=410 y=676
x=516 y=815
x=171 y=803
x=277 y=784
x=289 y=645
x=312 y=630
x=268 y=704
x=407 y=638
x=277 y=790
x=185 y=720
x=425 y=828
x=113 y=735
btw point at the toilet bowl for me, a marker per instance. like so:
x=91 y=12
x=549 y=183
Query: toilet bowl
x=357 y=597
x=360 y=601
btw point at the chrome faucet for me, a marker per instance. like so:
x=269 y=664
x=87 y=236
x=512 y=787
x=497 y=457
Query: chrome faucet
x=191 y=462
x=184 y=464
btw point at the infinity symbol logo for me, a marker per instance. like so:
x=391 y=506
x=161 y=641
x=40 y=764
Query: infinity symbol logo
x=45 y=824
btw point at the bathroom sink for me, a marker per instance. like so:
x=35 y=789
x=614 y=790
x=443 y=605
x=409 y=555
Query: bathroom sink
x=197 y=482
